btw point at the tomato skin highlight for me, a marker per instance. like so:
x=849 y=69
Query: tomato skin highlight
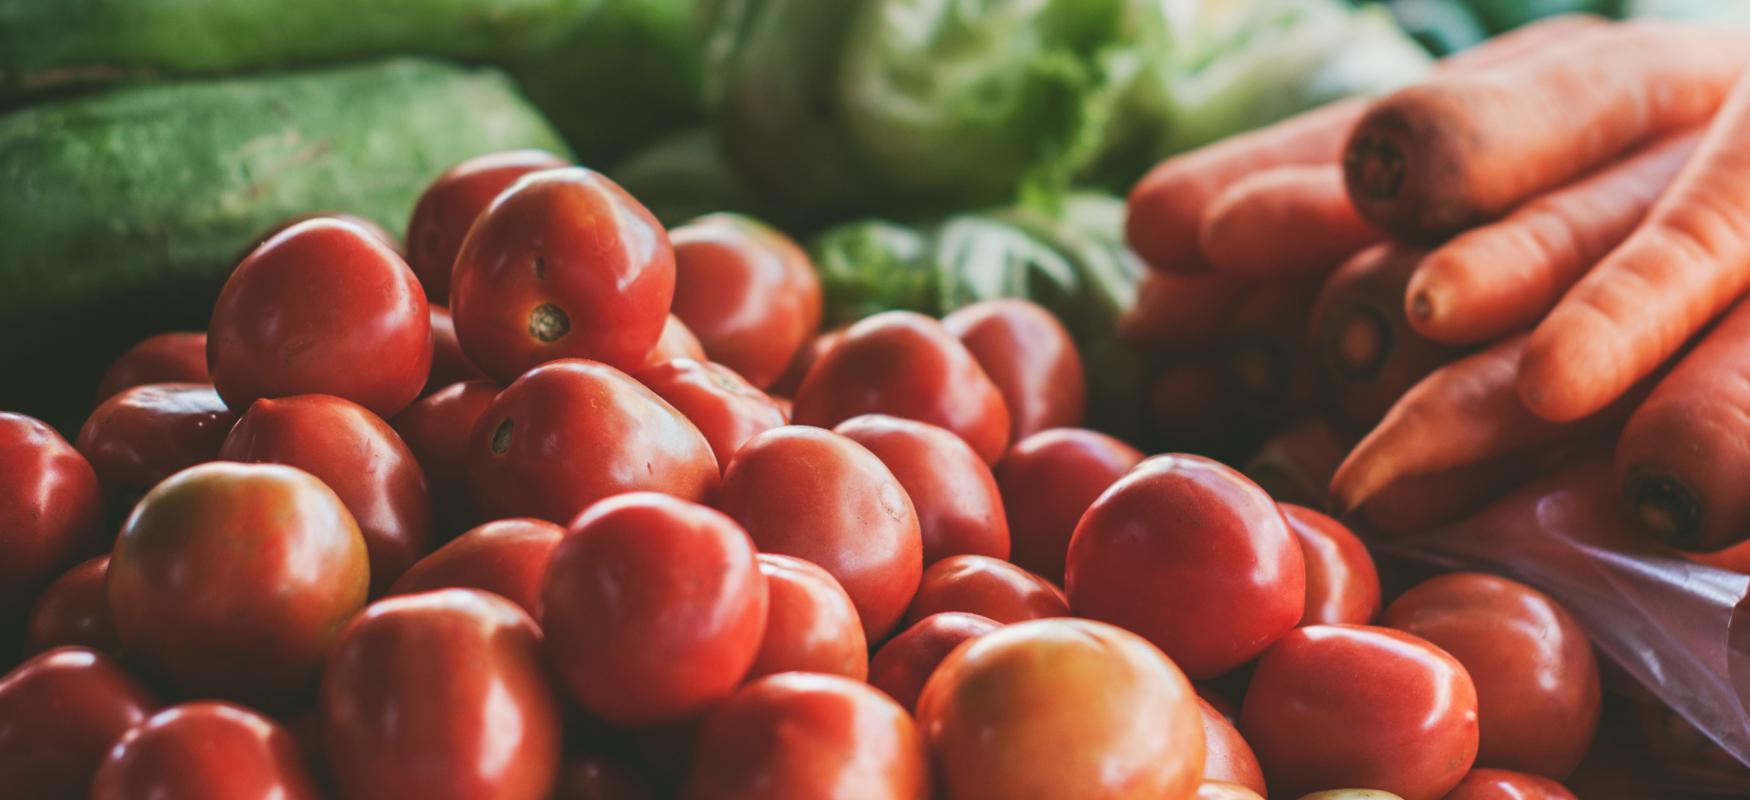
x=905 y=663
x=506 y=557
x=1501 y=784
x=50 y=514
x=450 y=204
x=989 y=587
x=60 y=712
x=1342 y=583
x=142 y=435
x=747 y=291
x=205 y=751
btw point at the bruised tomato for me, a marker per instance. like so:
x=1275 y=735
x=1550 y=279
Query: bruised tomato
x=748 y=291
x=141 y=435
x=799 y=735
x=507 y=557
x=50 y=513
x=1500 y=784
x=1342 y=585
x=951 y=488
x=74 y=610
x=440 y=695
x=654 y=608
x=1062 y=708
x=1227 y=757
x=1192 y=555
x=905 y=663
x=205 y=751
x=448 y=207
x=815 y=495
x=164 y=358
x=726 y=409
x=323 y=307
x=448 y=363
x=986 y=586
x=1047 y=481
x=907 y=365
x=811 y=624
x=563 y=264
x=60 y=712
x=677 y=341
x=437 y=428
x=1031 y=359
x=231 y=580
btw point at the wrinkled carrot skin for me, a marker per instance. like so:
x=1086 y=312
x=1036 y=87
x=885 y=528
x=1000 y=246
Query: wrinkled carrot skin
x=1466 y=147
x=1293 y=221
x=1502 y=277
x=1684 y=265
x=1419 y=503
x=1267 y=367
x=1180 y=312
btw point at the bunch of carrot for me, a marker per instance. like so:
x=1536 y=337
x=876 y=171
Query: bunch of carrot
x=1539 y=247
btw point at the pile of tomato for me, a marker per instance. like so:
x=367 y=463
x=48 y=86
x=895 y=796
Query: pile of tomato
x=618 y=521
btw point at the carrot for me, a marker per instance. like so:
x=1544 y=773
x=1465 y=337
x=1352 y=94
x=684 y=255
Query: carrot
x=1295 y=466
x=1683 y=266
x=1434 y=158
x=1266 y=366
x=1186 y=407
x=1180 y=312
x=1286 y=221
x=1419 y=503
x=1502 y=277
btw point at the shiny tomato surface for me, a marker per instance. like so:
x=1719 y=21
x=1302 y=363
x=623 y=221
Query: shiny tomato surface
x=1062 y=708
x=905 y=663
x=231 y=580
x=1335 y=706
x=811 y=624
x=572 y=432
x=60 y=712
x=677 y=341
x=816 y=495
x=205 y=751
x=721 y=404
x=50 y=512
x=74 y=610
x=323 y=307
x=906 y=365
x=506 y=557
x=799 y=734
x=141 y=435
x=989 y=587
x=747 y=291
x=1227 y=757
x=437 y=429
x=448 y=363
x=1047 y=482
x=440 y=695
x=163 y=358
x=1342 y=584
x=563 y=264
x=959 y=509
x=1501 y=784
x=1031 y=359
x=448 y=207
x=1193 y=556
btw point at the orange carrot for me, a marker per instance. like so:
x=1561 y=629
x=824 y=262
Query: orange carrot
x=1180 y=312
x=1295 y=466
x=1419 y=503
x=1684 y=265
x=1467 y=146
x=1287 y=221
x=1267 y=368
x=1502 y=277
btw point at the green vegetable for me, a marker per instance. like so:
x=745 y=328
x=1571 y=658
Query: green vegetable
x=683 y=176
x=1442 y=26
x=1505 y=15
x=1736 y=12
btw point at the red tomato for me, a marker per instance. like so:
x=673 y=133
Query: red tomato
x=1536 y=677
x=436 y=429
x=205 y=750
x=816 y=495
x=654 y=608
x=799 y=735
x=1192 y=555
x=59 y=714
x=356 y=454
x=164 y=358
x=591 y=776
x=440 y=695
x=727 y=409
x=376 y=231
x=1351 y=794
x=1031 y=359
x=903 y=665
x=231 y=580
x=572 y=432
x=1342 y=585
x=74 y=610
x=906 y=365
x=959 y=509
x=1062 y=708
x=1227 y=757
x=507 y=557
x=448 y=207
x=448 y=363
x=748 y=291
x=788 y=407
x=50 y=513
x=1047 y=481
x=563 y=264
x=677 y=341
x=1500 y=784
x=1222 y=790
x=141 y=435
x=805 y=359
x=322 y=308
x=989 y=587
x=811 y=624
x=1350 y=705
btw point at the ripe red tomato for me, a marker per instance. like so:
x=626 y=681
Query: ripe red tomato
x=800 y=734
x=50 y=513
x=448 y=363
x=1332 y=706
x=1031 y=359
x=654 y=608
x=572 y=432
x=1500 y=784
x=507 y=557
x=359 y=456
x=1342 y=585
x=1047 y=482
x=814 y=494
x=1062 y=708
x=1192 y=555
x=436 y=429
x=1536 y=677
x=440 y=695
x=811 y=624
x=903 y=665
x=323 y=307
x=563 y=264
x=448 y=207
x=164 y=358
x=376 y=231
x=141 y=435
x=60 y=712
x=951 y=488
x=989 y=587
x=906 y=365
x=1222 y=790
x=591 y=776
x=727 y=409
x=677 y=341
x=74 y=610
x=205 y=750
x=806 y=357
x=231 y=580
x=1227 y=756
x=748 y=291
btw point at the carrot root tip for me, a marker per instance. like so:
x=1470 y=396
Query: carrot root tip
x=1421 y=307
x=1667 y=508
x=1374 y=168
x=1358 y=349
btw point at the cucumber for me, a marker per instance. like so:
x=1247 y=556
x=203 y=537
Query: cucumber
x=124 y=211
